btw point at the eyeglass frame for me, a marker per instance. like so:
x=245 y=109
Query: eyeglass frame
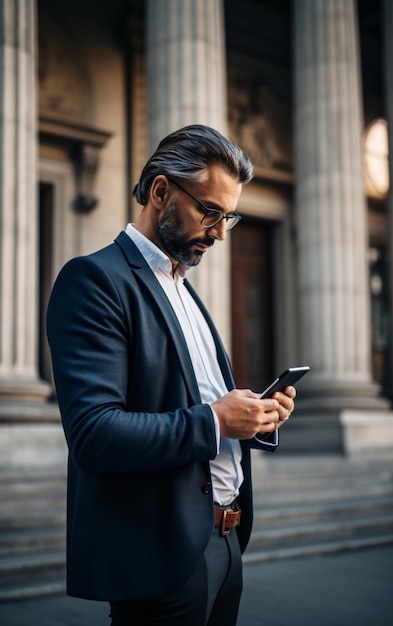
x=233 y=216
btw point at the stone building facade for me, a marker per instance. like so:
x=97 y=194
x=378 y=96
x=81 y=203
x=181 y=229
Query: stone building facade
x=87 y=91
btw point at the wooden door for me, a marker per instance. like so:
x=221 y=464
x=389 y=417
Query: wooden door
x=252 y=314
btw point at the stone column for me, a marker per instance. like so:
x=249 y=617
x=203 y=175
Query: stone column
x=187 y=85
x=387 y=20
x=331 y=211
x=19 y=379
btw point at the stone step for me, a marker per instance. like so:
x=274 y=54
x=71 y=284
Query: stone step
x=32 y=519
x=28 y=474
x=304 y=471
x=23 y=566
x=14 y=475
x=21 y=490
x=312 y=511
x=329 y=493
x=314 y=549
x=308 y=464
x=279 y=537
x=263 y=480
x=33 y=588
x=32 y=539
x=29 y=505
x=292 y=467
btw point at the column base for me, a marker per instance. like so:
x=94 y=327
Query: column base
x=31 y=436
x=35 y=446
x=24 y=390
x=329 y=425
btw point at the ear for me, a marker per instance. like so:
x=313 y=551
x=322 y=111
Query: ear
x=159 y=192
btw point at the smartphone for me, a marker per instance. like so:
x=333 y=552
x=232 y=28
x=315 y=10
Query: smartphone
x=289 y=377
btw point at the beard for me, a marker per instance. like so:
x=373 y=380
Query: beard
x=174 y=240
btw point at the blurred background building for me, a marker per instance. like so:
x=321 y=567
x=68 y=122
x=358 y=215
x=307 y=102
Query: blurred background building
x=88 y=88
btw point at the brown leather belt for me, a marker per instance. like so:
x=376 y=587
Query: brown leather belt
x=226 y=519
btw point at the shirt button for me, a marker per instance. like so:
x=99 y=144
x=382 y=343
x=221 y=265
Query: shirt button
x=207 y=488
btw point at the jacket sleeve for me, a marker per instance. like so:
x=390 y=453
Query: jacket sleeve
x=269 y=442
x=90 y=334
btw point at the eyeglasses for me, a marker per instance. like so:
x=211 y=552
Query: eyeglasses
x=211 y=217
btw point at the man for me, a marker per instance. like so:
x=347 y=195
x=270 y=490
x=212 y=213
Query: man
x=159 y=438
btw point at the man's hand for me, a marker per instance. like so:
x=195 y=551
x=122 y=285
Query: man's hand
x=242 y=414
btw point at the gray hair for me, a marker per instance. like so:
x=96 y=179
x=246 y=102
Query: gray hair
x=186 y=154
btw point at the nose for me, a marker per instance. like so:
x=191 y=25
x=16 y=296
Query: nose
x=218 y=231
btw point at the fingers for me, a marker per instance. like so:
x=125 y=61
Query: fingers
x=286 y=403
x=272 y=412
x=247 y=393
x=290 y=391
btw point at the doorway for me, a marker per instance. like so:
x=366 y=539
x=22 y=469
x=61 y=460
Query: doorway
x=46 y=192
x=252 y=303
x=58 y=232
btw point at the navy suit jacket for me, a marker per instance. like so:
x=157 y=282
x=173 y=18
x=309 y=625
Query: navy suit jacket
x=140 y=510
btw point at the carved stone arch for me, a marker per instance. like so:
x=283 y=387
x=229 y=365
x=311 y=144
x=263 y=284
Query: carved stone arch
x=66 y=106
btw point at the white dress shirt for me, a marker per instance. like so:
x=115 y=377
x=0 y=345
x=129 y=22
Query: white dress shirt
x=226 y=471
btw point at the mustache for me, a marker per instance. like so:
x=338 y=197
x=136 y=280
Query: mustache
x=206 y=241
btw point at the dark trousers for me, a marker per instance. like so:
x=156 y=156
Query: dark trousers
x=210 y=597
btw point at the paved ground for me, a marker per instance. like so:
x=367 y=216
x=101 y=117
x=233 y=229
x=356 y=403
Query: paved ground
x=351 y=589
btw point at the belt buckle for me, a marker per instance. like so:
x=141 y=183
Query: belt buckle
x=224 y=530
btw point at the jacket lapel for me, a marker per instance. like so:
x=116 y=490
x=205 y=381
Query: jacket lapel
x=146 y=279
x=222 y=356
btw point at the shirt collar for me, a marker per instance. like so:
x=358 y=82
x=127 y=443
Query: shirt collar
x=154 y=257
